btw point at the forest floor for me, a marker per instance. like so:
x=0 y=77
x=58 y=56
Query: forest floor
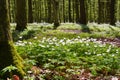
x=85 y=74
x=58 y=54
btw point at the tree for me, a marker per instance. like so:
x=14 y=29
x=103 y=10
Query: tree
x=69 y=11
x=73 y=8
x=104 y=11
x=30 y=13
x=56 y=13
x=100 y=11
x=21 y=15
x=77 y=11
x=112 y=12
x=64 y=19
x=83 y=19
x=8 y=54
x=49 y=11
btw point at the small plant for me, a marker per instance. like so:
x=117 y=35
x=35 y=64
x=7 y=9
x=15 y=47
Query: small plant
x=9 y=69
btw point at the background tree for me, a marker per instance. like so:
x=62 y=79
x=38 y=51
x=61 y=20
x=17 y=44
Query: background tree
x=77 y=11
x=30 y=12
x=49 y=11
x=112 y=12
x=82 y=12
x=100 y=11
x=8 y=54
x=21 y=15
x=64 y=11
x=104 y=11
x=56 y=13
x=69 y=10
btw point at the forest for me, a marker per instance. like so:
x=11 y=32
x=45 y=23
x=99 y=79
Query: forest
x=59 y=39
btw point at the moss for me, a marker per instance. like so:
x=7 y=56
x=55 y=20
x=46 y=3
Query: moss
x=9 y=56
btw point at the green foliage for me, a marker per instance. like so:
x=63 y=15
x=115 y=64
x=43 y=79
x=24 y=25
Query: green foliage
x=76 y=53
x=69 y=52
x=29 y=64
x=9 y=69
x=26 y=34
x=58 y=78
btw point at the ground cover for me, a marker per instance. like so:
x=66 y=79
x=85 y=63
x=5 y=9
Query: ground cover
x=72 y=52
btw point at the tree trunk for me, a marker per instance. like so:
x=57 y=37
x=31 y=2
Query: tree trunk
x=112 y=12
x=30 y=13
x=69 y=11
x=107 y=11
x=49 y=11
x=56 y=13
x=73 y=13
x=100 y=12
x=64 y=11
x=82 y=12
x=21 y=15
x=77 y=11
x=8 y=54
x=9 y=2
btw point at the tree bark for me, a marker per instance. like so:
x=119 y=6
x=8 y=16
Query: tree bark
x=112 y=12
x=64 y=19
x=77 y=11
x=21 y=15
x=82 y=12
x=69 y=11
x=100 y=12
x=56 y=13
x=49 y=11
x=30 y=13
x=8 y=54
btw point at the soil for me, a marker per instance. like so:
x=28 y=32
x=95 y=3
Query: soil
x=112 y=41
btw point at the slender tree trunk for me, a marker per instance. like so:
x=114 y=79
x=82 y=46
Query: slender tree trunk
x=100 y=11
x=90 y=14
x=40 y=12
x=112 y=12
x=69 y=11
x=46 y=14
x=21 y=15
x=8 y=54
x=64 y=11
x=56 y=13
x=107 y=11
x=82 y=12
x=77 y=11
x=73 y=7
x=30 y=13
x=49 y=11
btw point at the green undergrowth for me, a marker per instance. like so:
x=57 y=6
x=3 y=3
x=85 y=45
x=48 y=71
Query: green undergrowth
x=90 y=30
x=68 y=53
x=70 y=56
